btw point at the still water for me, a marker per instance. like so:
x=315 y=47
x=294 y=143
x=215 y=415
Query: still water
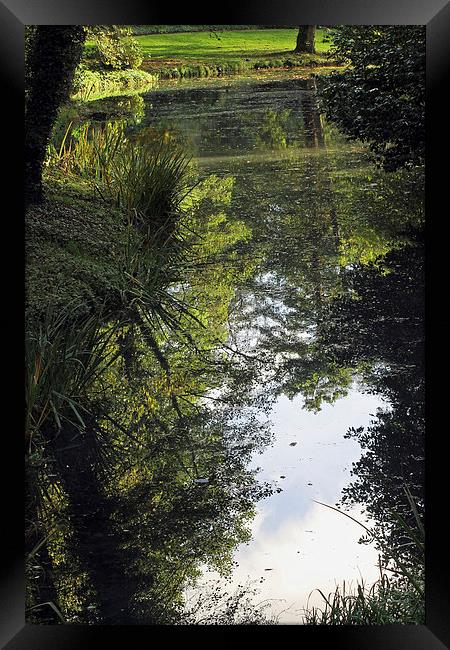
x=317 y=210
x=319 y=255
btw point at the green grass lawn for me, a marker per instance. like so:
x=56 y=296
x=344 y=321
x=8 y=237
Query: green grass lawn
x=186 y=54
x=206 y=46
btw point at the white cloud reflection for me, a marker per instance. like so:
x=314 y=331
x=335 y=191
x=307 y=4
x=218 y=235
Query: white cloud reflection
x=305 y=545
x=317 y=550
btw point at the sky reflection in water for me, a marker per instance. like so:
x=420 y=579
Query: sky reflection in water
x=305 y=545
x=285 y=161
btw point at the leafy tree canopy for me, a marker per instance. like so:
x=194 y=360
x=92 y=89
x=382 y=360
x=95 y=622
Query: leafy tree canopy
x=380 y=98
x=115 y=46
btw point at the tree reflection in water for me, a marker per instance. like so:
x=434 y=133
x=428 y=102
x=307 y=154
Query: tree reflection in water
x=306 y=275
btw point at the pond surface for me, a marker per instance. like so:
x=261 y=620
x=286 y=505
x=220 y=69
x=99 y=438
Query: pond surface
x=322 y=267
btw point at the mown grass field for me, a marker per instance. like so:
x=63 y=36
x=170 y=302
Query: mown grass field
x=207 y=46
x=217 y=53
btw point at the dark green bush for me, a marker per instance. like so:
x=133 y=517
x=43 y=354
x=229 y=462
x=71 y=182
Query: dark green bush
x=380 y=98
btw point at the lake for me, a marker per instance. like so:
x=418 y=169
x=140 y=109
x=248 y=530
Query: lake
x=306 y=282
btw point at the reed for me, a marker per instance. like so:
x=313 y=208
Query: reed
x=145 y=178
x=396 y=597
x=385 y=602
x=64 y=356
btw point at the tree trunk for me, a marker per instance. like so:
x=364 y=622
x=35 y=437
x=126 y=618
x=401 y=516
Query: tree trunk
x=51 y=59
x=312 y=119
x=305 y=39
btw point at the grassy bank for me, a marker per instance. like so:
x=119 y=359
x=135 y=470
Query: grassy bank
x=228 y=52
x=202 y=54
x=169 y=29
x=71 y=243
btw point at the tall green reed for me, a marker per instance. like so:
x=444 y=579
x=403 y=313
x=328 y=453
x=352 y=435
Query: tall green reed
x=63 y=357
x=147 y=178
x=396 y=597
x=84 y=147
x=384 y=602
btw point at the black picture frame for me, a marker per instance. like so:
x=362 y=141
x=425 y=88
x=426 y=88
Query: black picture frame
x=14 y=15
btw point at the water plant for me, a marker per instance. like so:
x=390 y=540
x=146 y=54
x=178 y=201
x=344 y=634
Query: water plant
x=386 y=601
x=396 y=597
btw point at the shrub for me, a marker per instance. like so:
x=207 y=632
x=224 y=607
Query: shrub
x=115 y=47
x=90 y=84
x=380 y=99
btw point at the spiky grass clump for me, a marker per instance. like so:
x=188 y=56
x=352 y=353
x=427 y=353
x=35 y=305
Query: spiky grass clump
x=64 y=357
x=388 y=600
x=145 y=178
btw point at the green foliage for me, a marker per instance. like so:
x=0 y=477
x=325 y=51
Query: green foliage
x=385 y=602
x=90 y=84
x=380 y=99
x=114 y=47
